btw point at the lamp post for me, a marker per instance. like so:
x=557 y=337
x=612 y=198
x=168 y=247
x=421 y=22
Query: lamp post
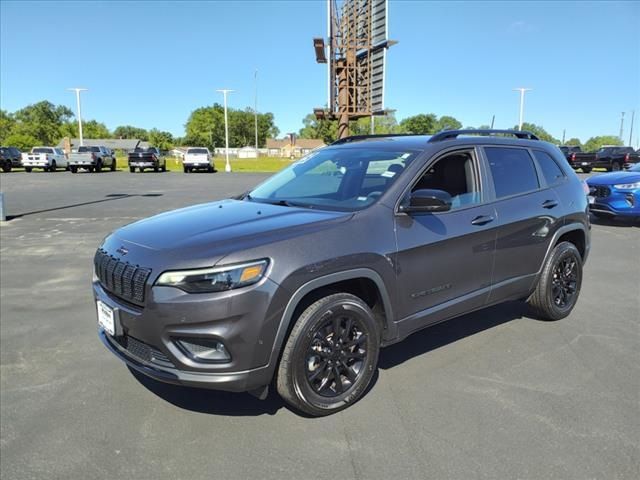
x=225 y=91
x=522 y=92
x=78 y=90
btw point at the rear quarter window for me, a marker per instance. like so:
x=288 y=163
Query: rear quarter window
x=549 y=168
x=512 y=170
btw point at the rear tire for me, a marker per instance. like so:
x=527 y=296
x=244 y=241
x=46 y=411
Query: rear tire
x=27 y=169
x=99 y=166
x=73 y=169
x=132 y=169
x=53 y=166
x=586 y=170
x=156 y=169
x=164 y=167
x=330 y=357
x=559 y=284
x=6 y=167
x=90 y=169
x=113 y=165
x=615 y=167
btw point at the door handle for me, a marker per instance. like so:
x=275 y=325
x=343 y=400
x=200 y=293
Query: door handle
x=550 y=204
x=482 y=220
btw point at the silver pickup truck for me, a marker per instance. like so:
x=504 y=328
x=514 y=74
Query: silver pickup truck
x=92 y=158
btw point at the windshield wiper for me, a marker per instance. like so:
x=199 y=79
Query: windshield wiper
x=281 y=202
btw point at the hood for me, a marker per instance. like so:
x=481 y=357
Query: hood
x=226 y=225
x=614 y=178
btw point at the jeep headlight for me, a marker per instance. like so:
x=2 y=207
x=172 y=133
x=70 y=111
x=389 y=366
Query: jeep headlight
x=216 y=279
x=627 y=186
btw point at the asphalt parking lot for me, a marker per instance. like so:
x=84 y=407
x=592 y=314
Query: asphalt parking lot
x=494 y=394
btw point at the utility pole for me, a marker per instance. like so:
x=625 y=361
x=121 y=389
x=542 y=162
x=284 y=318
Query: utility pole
x=373 y=125
x=622 y=127
x=225 y=91
x=564 y=131
x=522 y=92
x=493 y=119
x=255 y=107
x=633 y=115
x=78 y=90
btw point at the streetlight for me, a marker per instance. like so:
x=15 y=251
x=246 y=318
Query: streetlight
x=521 y=90
x=255 y=108
x=78 y=90
x=224 y=92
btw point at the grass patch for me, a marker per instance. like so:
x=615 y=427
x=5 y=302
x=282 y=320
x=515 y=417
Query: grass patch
x=246 y=165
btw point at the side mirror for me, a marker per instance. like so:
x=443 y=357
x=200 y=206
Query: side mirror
x=427 y=200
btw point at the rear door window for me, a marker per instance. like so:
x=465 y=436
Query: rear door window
x=548 y=167
x=513 y=171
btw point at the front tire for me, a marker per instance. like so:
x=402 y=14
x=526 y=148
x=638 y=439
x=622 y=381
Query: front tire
x=113 y=165
x=132 y=169
x=27 y=169
x=615 y=167
x=6 y=167
x=586 y=170
x=330 y=357
x=559 y=284
x=53 y=166
x=99 y=166
x=73 y=169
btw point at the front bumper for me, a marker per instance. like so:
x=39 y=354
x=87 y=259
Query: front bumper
x=240 y=319
x=617 y=203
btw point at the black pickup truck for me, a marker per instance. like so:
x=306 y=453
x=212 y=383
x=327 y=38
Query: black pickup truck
x=151 y=157
x=612 y=158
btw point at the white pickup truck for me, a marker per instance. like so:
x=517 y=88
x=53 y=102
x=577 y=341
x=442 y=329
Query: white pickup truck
x=93 y=158
x=47 y=158
x=198 y=158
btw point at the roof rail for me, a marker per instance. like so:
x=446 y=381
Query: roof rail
x=356 y=138
x=449 y=134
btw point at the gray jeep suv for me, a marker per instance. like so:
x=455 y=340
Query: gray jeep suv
x=299 y=282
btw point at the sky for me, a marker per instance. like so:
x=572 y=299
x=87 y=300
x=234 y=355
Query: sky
x=149 y=64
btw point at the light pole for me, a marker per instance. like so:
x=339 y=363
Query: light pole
x=522 y=91
x=633 y=115
x=622 y=127
x=78 y=90
x=225 y=91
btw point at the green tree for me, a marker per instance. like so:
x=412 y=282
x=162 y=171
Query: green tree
x=448 y=123
x=421 y=124
x=42 y=121
x=383 y=124
x=325 y=129
x=129 y=132
x=90 y=129
x=595 y=143
x=7 y=122
x=21 y=141
x=573 y=142
x=540 y=132
x=162 y=140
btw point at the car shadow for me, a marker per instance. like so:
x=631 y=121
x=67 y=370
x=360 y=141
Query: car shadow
x=108 y=198
x=442 y=334
x=624 y=222
x=243 y=404
x=212 y=402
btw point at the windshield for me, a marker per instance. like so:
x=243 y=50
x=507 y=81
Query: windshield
x=42 y=150
x=197 y=150
x=335 y=179
x=88 y=149
x=605 y=150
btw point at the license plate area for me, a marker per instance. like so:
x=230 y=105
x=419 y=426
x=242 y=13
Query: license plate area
x=107 y=318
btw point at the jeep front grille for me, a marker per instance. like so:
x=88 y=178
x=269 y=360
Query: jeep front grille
x=121 y=278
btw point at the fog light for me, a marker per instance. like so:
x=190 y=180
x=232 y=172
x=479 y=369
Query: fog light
x=630 y=199
x=204 y=350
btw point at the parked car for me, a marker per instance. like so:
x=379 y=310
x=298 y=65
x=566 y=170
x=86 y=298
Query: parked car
x=93 y=158
x=616 y=193
x=151 y=157
x=10 y=157
x=569 y=152
x=612 y=158
x=352 y=248
x=47 y=158
x=198 y=158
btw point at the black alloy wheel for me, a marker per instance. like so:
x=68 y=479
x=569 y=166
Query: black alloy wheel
x=331 y=355
x=558 y=286
x=565 y=282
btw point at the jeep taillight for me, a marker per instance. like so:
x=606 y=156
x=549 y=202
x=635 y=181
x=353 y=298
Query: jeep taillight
x=573 y=157
x=626 y=157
